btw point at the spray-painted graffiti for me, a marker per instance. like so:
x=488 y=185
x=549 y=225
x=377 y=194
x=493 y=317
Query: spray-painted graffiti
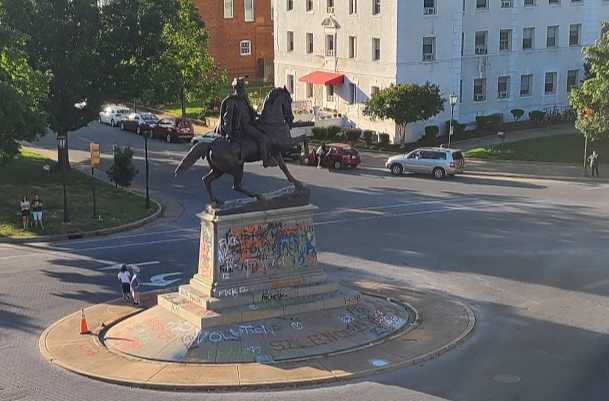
x=270 y=296
x=230 y=292
x=262 y=248
x=230 y=334
x=205 y=251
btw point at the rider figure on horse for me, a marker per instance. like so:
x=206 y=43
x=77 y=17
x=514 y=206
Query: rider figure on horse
x=238 y=120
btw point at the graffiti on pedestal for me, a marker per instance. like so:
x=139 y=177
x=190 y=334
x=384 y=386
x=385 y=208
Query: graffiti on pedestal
x=264 y=248
x=205 y=250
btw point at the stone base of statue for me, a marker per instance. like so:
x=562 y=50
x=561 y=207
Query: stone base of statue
x=253 y=266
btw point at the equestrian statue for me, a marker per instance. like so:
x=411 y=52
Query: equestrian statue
x=246 y=137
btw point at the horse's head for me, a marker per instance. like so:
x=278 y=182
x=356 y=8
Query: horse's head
x=277 y=108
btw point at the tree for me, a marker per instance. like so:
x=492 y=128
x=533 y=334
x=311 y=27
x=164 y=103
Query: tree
x=131 y=44
x=62 y=39
x=185 y=71
x=406 y=103
x=22 y=90
x=590 y=100
x=122 y=172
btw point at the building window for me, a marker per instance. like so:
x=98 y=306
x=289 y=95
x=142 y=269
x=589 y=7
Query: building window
x=245 y=47
x=376 y=49
x=289 y=5
x=309 y=90
x=572 y=79
x=503 y=87
x=574 y=34
x=352 y=7
x=526 y=85
x=309 y=5
x=507 y=4
x=481 y=4
x=374 y=90
x=429 y=7
x=249 y=10
x=330 y=46
x=479 y=90
x=330 y=6
x=528 y=38
x=552 y=38
x=481 y=42
x=289 y=81
x=529 y=3
x=505 y=40
x=330 y=93
x=550 y=83
x=376 y=7
x=228 y=8
x=309 y=43
x=429 y=48
x=352 y=93
x=352 y=47
x=290 y=41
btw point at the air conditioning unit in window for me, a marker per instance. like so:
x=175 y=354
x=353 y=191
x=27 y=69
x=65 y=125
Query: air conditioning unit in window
x=330 y=10
x=503 y=95
x=429 y=11
x=506 y=3
x=479 y=98
x=427 y=57
x=480 y=50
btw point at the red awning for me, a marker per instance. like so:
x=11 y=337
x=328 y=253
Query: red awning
x=323 y=78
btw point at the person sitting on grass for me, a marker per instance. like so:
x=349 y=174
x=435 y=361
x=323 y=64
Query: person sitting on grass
x=37 y=211
x=24 y=206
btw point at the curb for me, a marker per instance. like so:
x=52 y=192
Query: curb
x=331 y=376
x=87 y=234
x=537 y=177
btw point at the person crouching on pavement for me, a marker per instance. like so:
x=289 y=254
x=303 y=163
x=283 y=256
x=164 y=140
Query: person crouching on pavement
x=125 y=279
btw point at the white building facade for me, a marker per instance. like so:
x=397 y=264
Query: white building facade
x=495 y=55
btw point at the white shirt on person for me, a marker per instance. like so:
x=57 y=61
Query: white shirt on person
x=124 y=277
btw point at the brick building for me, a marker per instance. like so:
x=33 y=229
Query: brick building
x=240 y=35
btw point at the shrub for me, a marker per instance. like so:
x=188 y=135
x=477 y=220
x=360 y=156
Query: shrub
x=353 y=134
x=367 y=134
x=429 y=139
x=384 y=139
x=537 y=116
x=122 y=171
x=341 y=136
x=489 y=123
x=375 y=137
x=319 y=133
x=517 y=114
x=432 y=130
x=332 y=131
x=458 y=129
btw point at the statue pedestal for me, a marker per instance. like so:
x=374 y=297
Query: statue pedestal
x=256 y=265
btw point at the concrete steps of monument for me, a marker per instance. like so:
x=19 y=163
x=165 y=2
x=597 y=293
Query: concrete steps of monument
x=205 y=318
x=199 y=296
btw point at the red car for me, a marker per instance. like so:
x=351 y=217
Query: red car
x=338 y=155
x=173 y=130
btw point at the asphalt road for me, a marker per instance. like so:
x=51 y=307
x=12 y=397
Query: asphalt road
x=529 y=256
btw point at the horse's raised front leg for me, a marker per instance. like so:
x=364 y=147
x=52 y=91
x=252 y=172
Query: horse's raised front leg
x=237 y=185
x=285 y=170
x=207 y=180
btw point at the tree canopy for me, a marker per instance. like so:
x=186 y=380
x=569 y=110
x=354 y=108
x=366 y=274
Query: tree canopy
x=406 y=103
x=590 y=100
x=22 y=90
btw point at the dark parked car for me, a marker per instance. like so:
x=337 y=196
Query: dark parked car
x=338 y=155
x=140 y=123
x=173 y=130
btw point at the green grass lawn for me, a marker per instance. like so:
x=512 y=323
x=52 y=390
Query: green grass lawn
x=562 y=148
x=25 y=176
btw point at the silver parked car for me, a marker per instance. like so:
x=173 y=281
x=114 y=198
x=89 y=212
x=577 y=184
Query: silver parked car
x=439 y=162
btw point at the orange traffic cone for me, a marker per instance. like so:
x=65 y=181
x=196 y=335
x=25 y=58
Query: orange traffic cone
x=84 y=328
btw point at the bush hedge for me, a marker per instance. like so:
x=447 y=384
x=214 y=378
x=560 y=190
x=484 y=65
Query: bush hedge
x=491 y=122
x=458 y=129
x=326 y=133
x=517 y=114
x=353 y=134
x=384 y=139
x=537 y=116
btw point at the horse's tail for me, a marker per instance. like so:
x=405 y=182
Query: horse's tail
x=195 y=153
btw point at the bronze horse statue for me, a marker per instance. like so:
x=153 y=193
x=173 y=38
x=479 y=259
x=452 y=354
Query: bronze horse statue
x=228 y=155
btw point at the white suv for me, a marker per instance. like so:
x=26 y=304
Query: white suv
x=439 y=162
x=113 y=115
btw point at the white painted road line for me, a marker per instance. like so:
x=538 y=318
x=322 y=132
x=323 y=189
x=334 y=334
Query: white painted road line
x=135 y=266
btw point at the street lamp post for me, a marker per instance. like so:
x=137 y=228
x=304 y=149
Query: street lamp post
x=61 y=145
x=147 y=179
x=452 y=99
